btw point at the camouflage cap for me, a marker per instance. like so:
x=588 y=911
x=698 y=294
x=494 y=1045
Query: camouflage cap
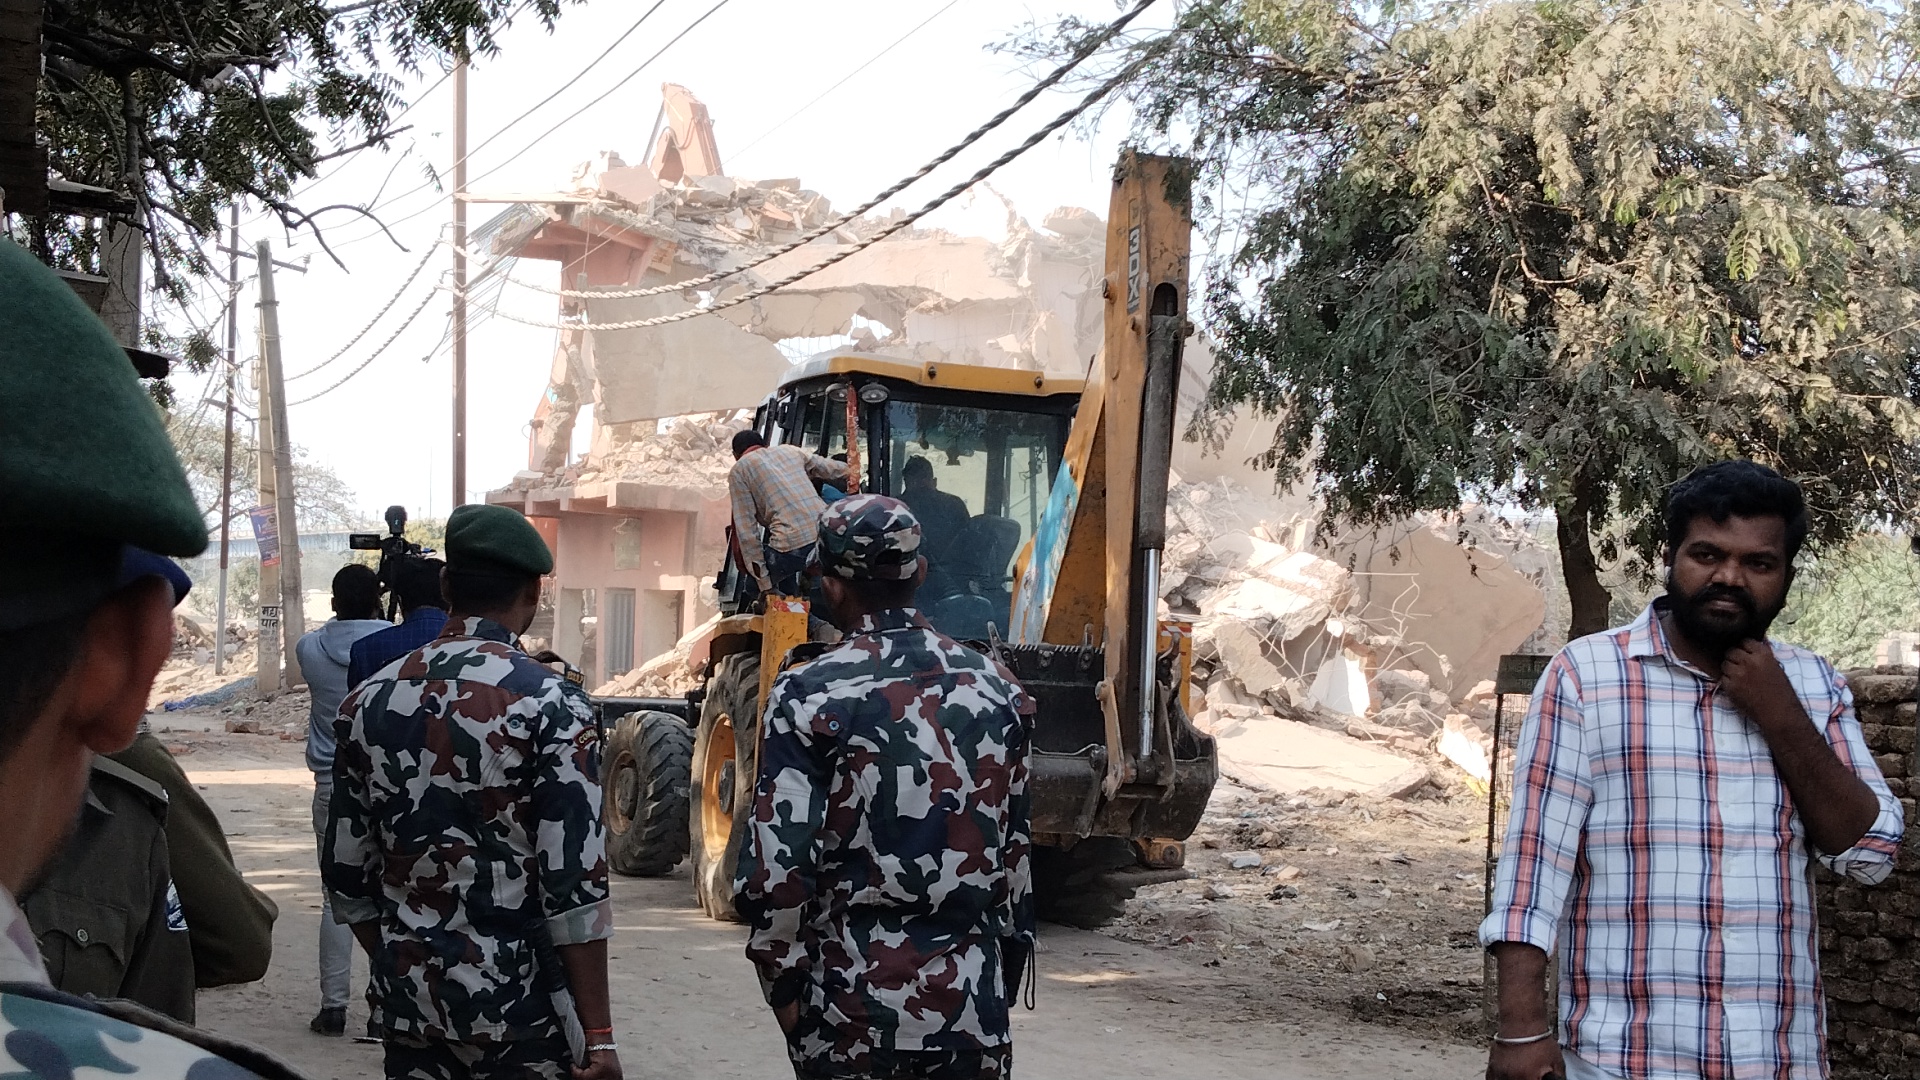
x=869 y=538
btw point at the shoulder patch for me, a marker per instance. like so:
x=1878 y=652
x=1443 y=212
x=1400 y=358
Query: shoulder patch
x=150 y=788
x=176 y=915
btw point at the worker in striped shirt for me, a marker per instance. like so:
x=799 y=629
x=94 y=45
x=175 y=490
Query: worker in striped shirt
x=1672 y=779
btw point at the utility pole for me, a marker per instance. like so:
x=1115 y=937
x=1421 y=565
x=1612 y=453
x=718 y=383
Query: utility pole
x=266 y=649
x=293 y=618
x=226 y=453
x=459 y=282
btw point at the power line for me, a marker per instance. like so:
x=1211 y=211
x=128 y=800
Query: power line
x=942 y=158
x=375 y=355
x=537 y=106
x=938 y=201
x=569 y=118
x=381 y=314
x=762 y=137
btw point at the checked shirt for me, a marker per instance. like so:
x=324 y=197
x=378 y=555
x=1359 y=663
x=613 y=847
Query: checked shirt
x=773 y=487
x=1653 y=841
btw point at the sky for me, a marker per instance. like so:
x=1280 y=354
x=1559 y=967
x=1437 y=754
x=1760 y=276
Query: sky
x=758 y=65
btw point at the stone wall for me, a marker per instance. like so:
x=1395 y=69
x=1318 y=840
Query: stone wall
x=1870 y=958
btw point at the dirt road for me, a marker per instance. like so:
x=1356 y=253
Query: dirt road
x=686 y=1004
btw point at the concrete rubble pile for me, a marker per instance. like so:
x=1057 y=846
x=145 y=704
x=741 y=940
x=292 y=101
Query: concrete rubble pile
x=691 y=451
x=671 y=674
x=1305 y=676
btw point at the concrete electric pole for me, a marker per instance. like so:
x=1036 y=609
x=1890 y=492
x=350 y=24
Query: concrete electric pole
x=459 y=283
x=226 y=453
x=293 y=619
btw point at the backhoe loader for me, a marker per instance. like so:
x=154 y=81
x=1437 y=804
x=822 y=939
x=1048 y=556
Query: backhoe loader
x=1044 y=503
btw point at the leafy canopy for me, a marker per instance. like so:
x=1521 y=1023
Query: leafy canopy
x=181 y=107
x=1556 y=253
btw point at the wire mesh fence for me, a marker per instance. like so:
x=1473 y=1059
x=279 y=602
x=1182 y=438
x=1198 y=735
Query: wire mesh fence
x=1512 y=687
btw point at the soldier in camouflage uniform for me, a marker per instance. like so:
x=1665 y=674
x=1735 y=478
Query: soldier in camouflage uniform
x=86 y=470
x=466 y=827
x=886 y=871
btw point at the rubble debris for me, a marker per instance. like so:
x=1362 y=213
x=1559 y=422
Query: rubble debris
x=1462 y=742
x=1285 y=755
x=671 y=674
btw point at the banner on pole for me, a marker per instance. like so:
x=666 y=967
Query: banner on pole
x=266 y=533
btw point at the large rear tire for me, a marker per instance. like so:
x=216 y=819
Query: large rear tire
x=726 y=764
x=648 y=781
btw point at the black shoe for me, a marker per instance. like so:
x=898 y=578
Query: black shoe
x=329 y=1022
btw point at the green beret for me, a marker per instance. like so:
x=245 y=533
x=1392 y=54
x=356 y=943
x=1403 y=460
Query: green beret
x=83 y=454
x=483 y=538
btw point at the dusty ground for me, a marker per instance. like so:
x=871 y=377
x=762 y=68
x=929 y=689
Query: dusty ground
x=1188 y=987
x=1360 y=908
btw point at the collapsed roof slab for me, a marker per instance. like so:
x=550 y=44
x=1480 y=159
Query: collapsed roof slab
x=702 y=364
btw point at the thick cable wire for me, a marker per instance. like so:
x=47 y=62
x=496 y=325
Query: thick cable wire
x=536 y=107
x=940 y=200
x=425 y=258
x=862 y=210
x=375 y=355
x=569 y=118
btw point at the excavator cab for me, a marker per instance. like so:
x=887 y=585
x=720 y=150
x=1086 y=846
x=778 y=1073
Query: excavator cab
x=976 y=464
x=1043 y=505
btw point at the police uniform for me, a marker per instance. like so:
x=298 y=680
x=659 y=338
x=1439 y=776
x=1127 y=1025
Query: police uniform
x=85 y=470
x=230 y=923
x=466 y=817
x=106 y=912
x=886 y=876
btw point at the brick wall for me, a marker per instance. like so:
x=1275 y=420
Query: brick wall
x=1869 y=956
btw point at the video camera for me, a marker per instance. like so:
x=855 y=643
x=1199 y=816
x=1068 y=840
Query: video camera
x=394 y=549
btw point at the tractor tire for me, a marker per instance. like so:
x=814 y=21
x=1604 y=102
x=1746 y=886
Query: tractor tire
x=1086 y=885
x=648 y=779
x=726 y=765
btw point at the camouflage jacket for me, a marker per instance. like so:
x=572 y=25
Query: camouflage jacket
x=466 y=811
x=46 y=1033
x=887 y=855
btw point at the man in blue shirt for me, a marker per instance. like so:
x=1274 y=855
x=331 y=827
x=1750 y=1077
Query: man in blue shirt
x=323 y=655
x=423 y=612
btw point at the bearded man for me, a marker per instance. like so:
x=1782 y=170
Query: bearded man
x=1671 y=781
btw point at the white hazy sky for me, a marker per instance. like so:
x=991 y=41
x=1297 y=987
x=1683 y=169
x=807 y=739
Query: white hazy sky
x=387 y=432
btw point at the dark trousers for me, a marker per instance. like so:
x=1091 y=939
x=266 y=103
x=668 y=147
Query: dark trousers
x=415 y=1057
x=788 y=570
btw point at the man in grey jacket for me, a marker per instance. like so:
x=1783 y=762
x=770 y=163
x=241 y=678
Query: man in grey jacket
x=324 y=655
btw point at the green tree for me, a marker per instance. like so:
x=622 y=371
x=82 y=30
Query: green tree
x=1556 y=253
x=179 y=107
x=1850 y=597
x=322 y=501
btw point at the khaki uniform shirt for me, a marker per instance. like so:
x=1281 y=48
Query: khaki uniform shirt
x=105 y=912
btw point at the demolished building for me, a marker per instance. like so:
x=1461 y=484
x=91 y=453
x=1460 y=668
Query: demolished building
x=1381 y=634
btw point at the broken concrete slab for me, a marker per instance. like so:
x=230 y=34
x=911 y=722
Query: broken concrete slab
x=1288 y=756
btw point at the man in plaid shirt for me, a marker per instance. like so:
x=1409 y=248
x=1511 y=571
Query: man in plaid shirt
x=1671 y=781
x=772 y=487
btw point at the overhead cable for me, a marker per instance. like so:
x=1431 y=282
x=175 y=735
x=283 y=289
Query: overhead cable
x=940 y=200
x=863 y=209
x=375 y=355
x=515 y=156
x=537 y=106
x=425 y=258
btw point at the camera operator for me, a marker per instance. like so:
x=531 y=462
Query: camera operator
x=416 y=589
